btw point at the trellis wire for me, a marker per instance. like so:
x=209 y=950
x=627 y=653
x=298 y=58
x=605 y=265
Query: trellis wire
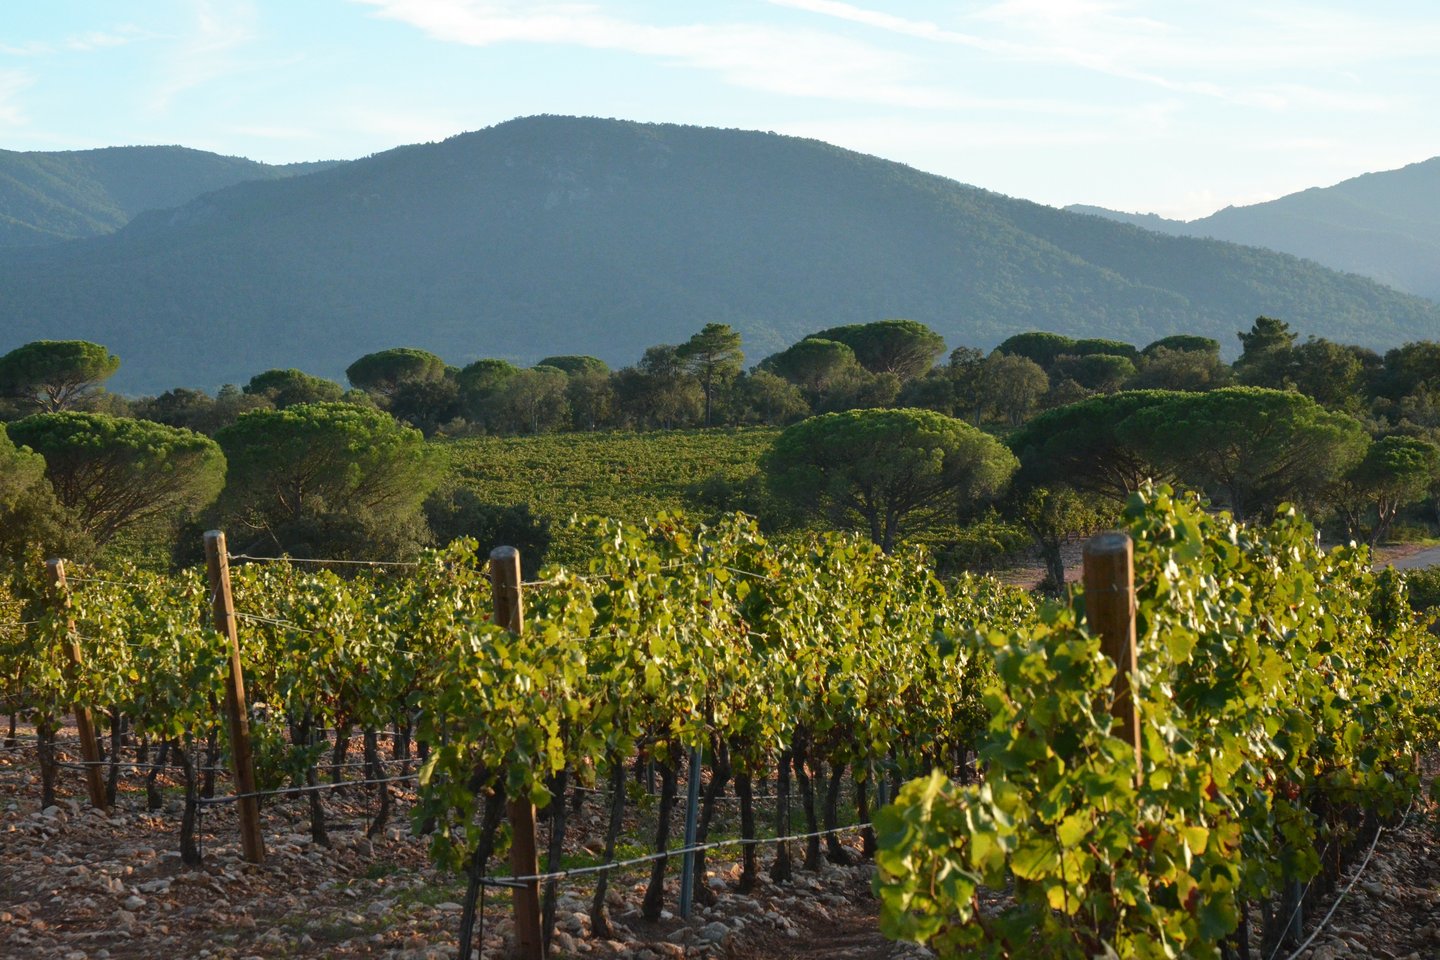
x=1348 y=887
x=661 y=855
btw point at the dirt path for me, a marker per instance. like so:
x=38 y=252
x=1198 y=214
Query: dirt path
x=850 y=932
x=1410 y=560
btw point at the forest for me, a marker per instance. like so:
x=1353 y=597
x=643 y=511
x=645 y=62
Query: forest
x=877 y=427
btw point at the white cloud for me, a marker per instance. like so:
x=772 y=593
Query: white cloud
x=772 y=58
x=78 y=43
x=205 y=53
x=12 y=82
x=106 y=39
x=1246 y=45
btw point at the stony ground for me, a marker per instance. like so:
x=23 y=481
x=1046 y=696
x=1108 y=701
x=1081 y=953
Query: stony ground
x=1392 y=911
x=77 y=884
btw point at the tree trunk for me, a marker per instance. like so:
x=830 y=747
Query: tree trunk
x=112 y=779
x=312 y=783
x=153 y=799
x=719 y=776
x=599 y=922
x=807 y=803
x=212 y=757
x=45 y=747
x=475 y=869
x=749 y=869
x=189 y=842
x=781 y=870
x=338 y=754
x=835 y=851
x=862 y=812
x=374 y=771
x=655 y=894
x=555 y=854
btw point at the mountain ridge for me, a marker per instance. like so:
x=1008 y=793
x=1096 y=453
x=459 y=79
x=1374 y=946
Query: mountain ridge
x=582 y=235
x=1384 y=225
x=50 y=197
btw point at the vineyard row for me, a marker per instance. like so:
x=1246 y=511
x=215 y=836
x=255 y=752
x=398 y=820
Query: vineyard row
x=1278 y=698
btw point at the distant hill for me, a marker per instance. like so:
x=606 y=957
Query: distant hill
x=1385 y=226
x=48 y=197
x=553 y=234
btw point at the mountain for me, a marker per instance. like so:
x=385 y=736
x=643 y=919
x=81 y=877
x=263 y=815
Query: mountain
x=48 y=197
x=1149 y=221
x=560 y=235
x=1385 y=226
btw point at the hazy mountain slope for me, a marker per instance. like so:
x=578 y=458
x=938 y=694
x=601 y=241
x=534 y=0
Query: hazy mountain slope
x=1385 y=226
x=590 y=236
x=1150 y=221
x=47 y=197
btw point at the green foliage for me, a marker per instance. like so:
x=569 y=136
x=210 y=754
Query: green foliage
x=285 y=388
x=1184 y=343
x=714 y=358
x=1098 y=346
x=1086 y=445
x=1409 y=368
x=1333 y=374
x=197 y=410
x=1011 y=386
x=573 y=365
x=530 y=401
x=20 y=469
x=886 y=471
x=814 y=364
x=1166 y=368
x=1250 y=448
x=1423 y=591
x=383 y=373
x=1041 y=347
x=328 y=479
x=1395 y=472
x=460 y=513
x=114 y=473
x=608 y=474
x=1105 y=372
x=1271 y=705
x=904 y=348
x=762 y=398
x=478 y=383
x=55 y=374
x=1266 y=353
x=31 y=520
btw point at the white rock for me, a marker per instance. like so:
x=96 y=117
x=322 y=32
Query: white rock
x=714 y=932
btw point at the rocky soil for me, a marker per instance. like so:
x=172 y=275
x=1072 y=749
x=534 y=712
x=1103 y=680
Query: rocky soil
x=1392 y=911
x=77 y=884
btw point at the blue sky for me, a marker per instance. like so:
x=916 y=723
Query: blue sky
x=1178 y=107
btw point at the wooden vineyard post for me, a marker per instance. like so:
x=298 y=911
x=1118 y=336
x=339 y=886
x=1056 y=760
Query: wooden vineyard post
x=524 y=856
x=89 y=746
x=1110 y=612
x=237 y=715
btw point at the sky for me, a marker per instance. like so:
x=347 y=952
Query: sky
x=1178 y=107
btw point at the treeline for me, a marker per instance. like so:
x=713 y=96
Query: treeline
x=305 y=465
x=890 y=363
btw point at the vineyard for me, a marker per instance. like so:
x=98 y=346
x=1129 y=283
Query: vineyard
x=1280 y=698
